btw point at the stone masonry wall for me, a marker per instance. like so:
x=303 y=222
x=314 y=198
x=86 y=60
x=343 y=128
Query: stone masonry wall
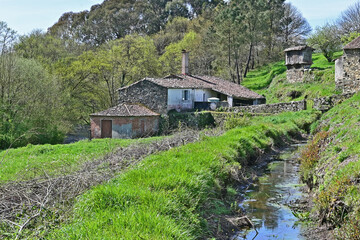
x=299 y=75
x=326 y=103
x=272 y=108
x=348 y=71
x=147 y=93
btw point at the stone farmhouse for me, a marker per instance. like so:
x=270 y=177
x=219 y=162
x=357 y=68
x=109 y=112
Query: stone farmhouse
x=142 y=103
x=187 y=92
x=347 y=68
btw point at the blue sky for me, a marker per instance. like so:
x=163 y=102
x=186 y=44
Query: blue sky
x=27 y=15
x=319 y=12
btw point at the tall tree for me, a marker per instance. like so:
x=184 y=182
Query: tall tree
x=114 y=19
x=294 y=27
x=349 y=20
x=242 y=25
x=7 y=38
x=91 y=80
x=327 y=39
x=46 y=48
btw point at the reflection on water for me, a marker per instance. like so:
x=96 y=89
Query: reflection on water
x=266 y=201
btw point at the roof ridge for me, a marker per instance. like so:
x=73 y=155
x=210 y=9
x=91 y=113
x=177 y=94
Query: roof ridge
x=199 y=78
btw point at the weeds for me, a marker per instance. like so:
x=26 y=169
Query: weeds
x=330 y=202
x=310 y=155
x=350 y=230
x=236 y=120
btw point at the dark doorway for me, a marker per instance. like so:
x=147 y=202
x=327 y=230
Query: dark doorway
x=106 y=129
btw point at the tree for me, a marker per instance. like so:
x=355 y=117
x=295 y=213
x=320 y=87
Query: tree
x=174 y=31
x=7 y=38
x=345 y=39
x=171 y=59
x=91 y=80
x=349 y=20
x=274 y=12
x=30 y=104
x=326 y=39
x=294 y=27
x=114 y=19
x=244 y=27
x=46 y=48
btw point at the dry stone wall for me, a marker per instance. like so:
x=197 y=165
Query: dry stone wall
x=326 y=103
x=299 y=75
x=272 y=108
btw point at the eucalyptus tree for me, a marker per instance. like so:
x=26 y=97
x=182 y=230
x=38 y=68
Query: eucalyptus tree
x=114 y=19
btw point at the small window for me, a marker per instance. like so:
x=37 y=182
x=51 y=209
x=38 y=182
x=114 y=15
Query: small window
x=186 y=95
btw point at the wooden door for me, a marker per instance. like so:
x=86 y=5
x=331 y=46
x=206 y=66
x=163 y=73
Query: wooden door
x=106 y=129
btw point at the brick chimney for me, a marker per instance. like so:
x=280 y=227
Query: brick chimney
x=185 y=62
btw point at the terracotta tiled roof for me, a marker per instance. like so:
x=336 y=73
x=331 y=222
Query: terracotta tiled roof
x=298 y=48
x=355 y=44
x=182 y=81
x=206 y=82
x=126 y=110
x=231 y=89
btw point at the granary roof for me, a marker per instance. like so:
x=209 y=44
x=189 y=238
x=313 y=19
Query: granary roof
x=355 y=44
x=126 y=110
x=206 y=82
x=297 y=48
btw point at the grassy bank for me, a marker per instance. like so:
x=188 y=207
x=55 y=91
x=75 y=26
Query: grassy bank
x=169 y=195
x=35 y=160
x=271 y=82
x=331 y=167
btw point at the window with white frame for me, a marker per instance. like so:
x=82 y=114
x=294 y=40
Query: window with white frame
x=186 y=95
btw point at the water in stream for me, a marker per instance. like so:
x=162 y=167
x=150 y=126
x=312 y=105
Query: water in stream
x=265 y=202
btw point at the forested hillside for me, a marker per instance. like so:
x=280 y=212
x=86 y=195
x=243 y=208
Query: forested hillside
x=51 y=81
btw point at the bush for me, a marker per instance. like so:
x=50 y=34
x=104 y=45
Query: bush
x=236 y=120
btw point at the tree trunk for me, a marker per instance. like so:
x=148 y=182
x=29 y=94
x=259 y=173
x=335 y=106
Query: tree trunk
x=248 y=61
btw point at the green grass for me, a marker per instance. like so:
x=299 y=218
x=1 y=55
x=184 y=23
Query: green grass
x=35 y=160
x=320 y=62
x=167 y=195
x=270 y=81
x=336 y=171
x=262 y=77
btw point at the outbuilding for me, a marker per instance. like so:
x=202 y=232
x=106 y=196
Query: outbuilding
x=298 y=60
x=347 y=68
x=126 y=120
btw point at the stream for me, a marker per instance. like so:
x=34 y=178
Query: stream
x=266 y=200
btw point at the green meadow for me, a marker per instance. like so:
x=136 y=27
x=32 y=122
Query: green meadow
x=36 y=160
